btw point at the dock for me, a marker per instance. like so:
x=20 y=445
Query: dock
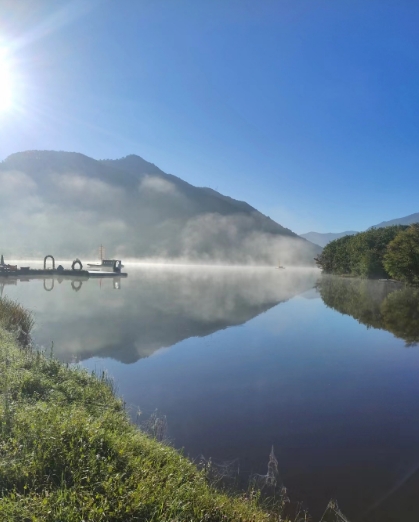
x=34 y=272
x=76 y=271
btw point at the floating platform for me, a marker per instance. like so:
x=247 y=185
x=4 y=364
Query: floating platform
x=50 y=272
x=112 y=269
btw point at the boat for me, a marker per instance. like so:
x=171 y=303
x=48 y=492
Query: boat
x=279 y=265
x=107 y=268
x=107 y=265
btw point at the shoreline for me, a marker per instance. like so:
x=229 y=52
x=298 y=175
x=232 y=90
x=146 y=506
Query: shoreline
x=69 y=451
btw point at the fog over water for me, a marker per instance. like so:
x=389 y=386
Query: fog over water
x=140 y=210
x=240 y=359
x=156 y=307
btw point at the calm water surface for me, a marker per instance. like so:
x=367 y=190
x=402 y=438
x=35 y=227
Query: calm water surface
x=324 y=369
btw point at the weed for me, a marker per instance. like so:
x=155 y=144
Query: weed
x=16 y=319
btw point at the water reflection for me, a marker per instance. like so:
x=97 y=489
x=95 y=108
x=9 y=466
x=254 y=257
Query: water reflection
x=337 y=401
x=76 y=283
x=157 y=308
x=377 y=304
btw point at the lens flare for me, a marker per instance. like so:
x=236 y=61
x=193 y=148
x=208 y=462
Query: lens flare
x=6 y=83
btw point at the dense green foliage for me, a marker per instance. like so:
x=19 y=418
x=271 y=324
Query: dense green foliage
x=402 y=258
x=391 y=307
x=374 y=253
x=68 y=451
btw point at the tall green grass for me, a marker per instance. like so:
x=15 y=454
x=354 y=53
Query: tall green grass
x=68 y=451
x=16 y=319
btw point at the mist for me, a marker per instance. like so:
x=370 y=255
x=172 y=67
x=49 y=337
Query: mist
x=68 y=210
x=155 y=307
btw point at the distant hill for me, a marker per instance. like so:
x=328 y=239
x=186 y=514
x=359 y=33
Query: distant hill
x=66 y=203
x=407 y=220
x=322 y=239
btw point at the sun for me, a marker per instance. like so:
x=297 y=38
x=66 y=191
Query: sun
x=6 y=82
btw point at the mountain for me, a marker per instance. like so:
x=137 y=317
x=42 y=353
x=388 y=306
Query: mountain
x=322 y=239
x=66 y=204
x=407 y=220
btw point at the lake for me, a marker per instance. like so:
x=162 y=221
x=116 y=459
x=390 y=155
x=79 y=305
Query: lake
x=237 y=360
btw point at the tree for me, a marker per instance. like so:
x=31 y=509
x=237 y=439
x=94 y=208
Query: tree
x=402 y=258
x=367 y=250
x=359 y=255
x=334 y=258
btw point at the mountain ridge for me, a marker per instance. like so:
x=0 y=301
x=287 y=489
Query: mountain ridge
x=322 y=239
x=241 y=205
x=405 y=220
x=68 y=202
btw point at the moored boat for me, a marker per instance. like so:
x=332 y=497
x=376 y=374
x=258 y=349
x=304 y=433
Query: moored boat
x=107 y=265
x=107 y=268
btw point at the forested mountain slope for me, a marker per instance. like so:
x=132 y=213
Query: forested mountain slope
x=66 y=203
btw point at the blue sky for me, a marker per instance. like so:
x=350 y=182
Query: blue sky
x=308 y=110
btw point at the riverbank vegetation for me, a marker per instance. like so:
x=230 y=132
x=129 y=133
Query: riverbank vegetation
x=389 y=252
x=68 y=451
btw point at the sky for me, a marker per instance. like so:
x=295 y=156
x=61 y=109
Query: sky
x=307 y=110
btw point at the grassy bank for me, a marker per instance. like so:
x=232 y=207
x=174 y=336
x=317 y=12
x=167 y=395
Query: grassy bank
x=69 y=453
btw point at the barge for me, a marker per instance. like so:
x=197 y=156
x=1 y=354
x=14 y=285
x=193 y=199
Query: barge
x=75 y=271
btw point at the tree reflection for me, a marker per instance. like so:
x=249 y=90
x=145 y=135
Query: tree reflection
x=377 y=304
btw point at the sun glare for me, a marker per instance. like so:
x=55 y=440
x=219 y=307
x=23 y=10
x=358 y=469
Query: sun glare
x=6 y=89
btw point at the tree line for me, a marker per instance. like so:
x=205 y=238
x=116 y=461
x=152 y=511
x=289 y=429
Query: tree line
x=388 y=252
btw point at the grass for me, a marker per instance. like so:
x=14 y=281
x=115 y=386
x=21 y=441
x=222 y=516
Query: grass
x=14 y=318
x=68 y=451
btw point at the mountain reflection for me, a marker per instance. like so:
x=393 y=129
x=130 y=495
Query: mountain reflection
x=377 y=304
x=153 y=308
